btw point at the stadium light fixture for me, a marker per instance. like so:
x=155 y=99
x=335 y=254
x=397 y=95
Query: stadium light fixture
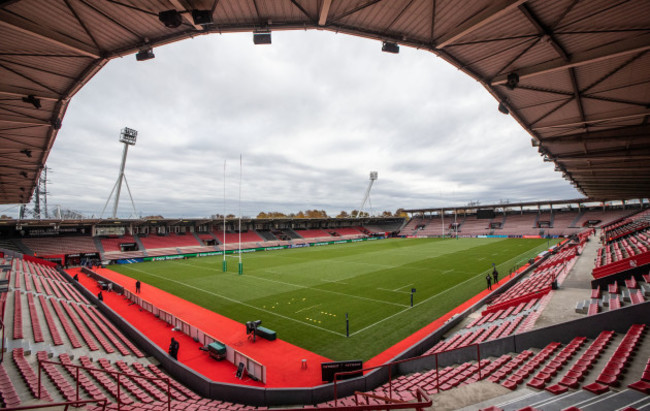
x=27 y=152
x=170 y=18
x=33 y=101
x=145 y=54
x=512 y=81
x=390 y=47
x=262 y=37
x=128 y=136
x=503 y=108
x=23 y=173
x=202 y=17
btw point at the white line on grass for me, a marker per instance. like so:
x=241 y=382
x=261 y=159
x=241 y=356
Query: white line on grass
x=448 y=271
x=393 y=291
x=239 y=302
x=307 y=308
x=310 y=288
x=404 y=286
x=327 y=291
x=435 y=295
x=333 y=281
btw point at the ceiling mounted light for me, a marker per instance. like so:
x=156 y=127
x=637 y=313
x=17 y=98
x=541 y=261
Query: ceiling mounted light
x=503 y=108
x=56 y=124
x=390 y=47
x=26 y=152
x=262 y=37
x=170 y=18
x=512 y=81
x=23 y=173
x=33 y=101
x=145 y=54
x=202 y=17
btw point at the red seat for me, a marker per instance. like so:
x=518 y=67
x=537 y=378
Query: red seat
x=537 y=383
x=569 y=382
x=596 y=388
x=641 y=385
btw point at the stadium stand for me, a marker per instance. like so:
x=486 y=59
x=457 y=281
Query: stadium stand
x=60 y=245
x=315 y=234
x=520 y=224
x=474 y=226
x=626 y=246
x=347 y=232
x=171 y=240
x=56 y=314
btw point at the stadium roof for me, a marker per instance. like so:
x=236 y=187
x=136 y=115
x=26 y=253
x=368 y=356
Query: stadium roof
x=575 y=74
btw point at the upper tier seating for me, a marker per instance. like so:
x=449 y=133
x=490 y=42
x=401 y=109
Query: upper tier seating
x=171 y=240
x=60 y=245
x=313 y=234
x=519 y=224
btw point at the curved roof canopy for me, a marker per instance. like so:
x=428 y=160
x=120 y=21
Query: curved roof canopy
x=575 y=74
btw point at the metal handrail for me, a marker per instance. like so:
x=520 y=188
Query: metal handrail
x=390 y=370
x=2 y=318
x=422 y=401
x=76 y=404
x=116 y=375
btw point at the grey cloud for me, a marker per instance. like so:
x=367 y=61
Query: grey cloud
x=311 y=114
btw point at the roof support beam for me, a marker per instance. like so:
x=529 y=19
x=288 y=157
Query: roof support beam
x=585 y=158
x=621 y=48
x=493 y=12
x=596 y=170
x=23 y=120
x=45 y=35
x=6 y=90
x=595 y=120
x=356 y=9
x=324 y=12
x=632 y=132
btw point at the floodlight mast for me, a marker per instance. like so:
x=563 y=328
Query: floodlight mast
x=366 y=197
x=128 y=136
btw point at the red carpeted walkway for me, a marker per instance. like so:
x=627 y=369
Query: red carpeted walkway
x=283 y=361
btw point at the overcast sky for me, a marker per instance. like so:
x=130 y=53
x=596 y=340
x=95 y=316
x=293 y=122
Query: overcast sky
x=311 y=115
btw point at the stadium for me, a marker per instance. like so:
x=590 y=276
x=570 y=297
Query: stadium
x=504 y=306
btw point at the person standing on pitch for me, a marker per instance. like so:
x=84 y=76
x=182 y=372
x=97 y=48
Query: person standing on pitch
x=137 y=287
x=489 y=281
x=495 y=274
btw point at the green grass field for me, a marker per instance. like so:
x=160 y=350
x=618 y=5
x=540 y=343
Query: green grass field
x=304 y=294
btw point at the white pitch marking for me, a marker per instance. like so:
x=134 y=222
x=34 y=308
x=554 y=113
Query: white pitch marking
x=407 y=285
x=393 y=291
x=307 y=308
x=239 y=302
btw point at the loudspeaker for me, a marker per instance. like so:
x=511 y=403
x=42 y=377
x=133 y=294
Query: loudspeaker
x=170 y=18
x=389 y=47
x=202 y=17
x=262 y=38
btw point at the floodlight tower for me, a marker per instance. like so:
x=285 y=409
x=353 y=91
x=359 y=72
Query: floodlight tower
x=366 y=197
x=128 y=136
